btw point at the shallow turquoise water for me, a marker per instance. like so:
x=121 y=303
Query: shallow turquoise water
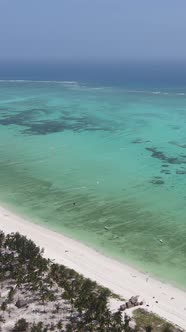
x=80 y=158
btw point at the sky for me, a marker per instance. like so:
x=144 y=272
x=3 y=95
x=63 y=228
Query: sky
x=92 y=29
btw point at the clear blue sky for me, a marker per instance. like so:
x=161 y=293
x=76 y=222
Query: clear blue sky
x=93 y=29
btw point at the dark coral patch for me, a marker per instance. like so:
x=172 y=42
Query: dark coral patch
x=162 y=156
x=23 y=118
x=175 y=127
x=139 y=141
x=165 y=171
x=157 y=181
x=179 y=171
x=180 y=145
x=33 y=120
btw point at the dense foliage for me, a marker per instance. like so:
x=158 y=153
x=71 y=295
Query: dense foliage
x=22 y=261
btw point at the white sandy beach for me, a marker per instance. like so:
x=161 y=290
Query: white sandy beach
x=120 y=278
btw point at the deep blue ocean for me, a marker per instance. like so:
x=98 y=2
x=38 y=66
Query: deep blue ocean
x=147 y=75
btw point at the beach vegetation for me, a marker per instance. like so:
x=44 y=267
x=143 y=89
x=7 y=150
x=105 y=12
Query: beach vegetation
x=21 y=325
x=38 y=327
x=152 y=322
x=59 y=298
x=3 y=306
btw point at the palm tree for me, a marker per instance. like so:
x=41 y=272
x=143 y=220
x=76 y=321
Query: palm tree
x=21 y=325
x=2 y=239
x=4 y=306
x=38 y=327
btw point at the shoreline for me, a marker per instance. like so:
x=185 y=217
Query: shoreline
x=162 y=298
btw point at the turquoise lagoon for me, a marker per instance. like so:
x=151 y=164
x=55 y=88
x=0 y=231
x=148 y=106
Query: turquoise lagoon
x=104 y=165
